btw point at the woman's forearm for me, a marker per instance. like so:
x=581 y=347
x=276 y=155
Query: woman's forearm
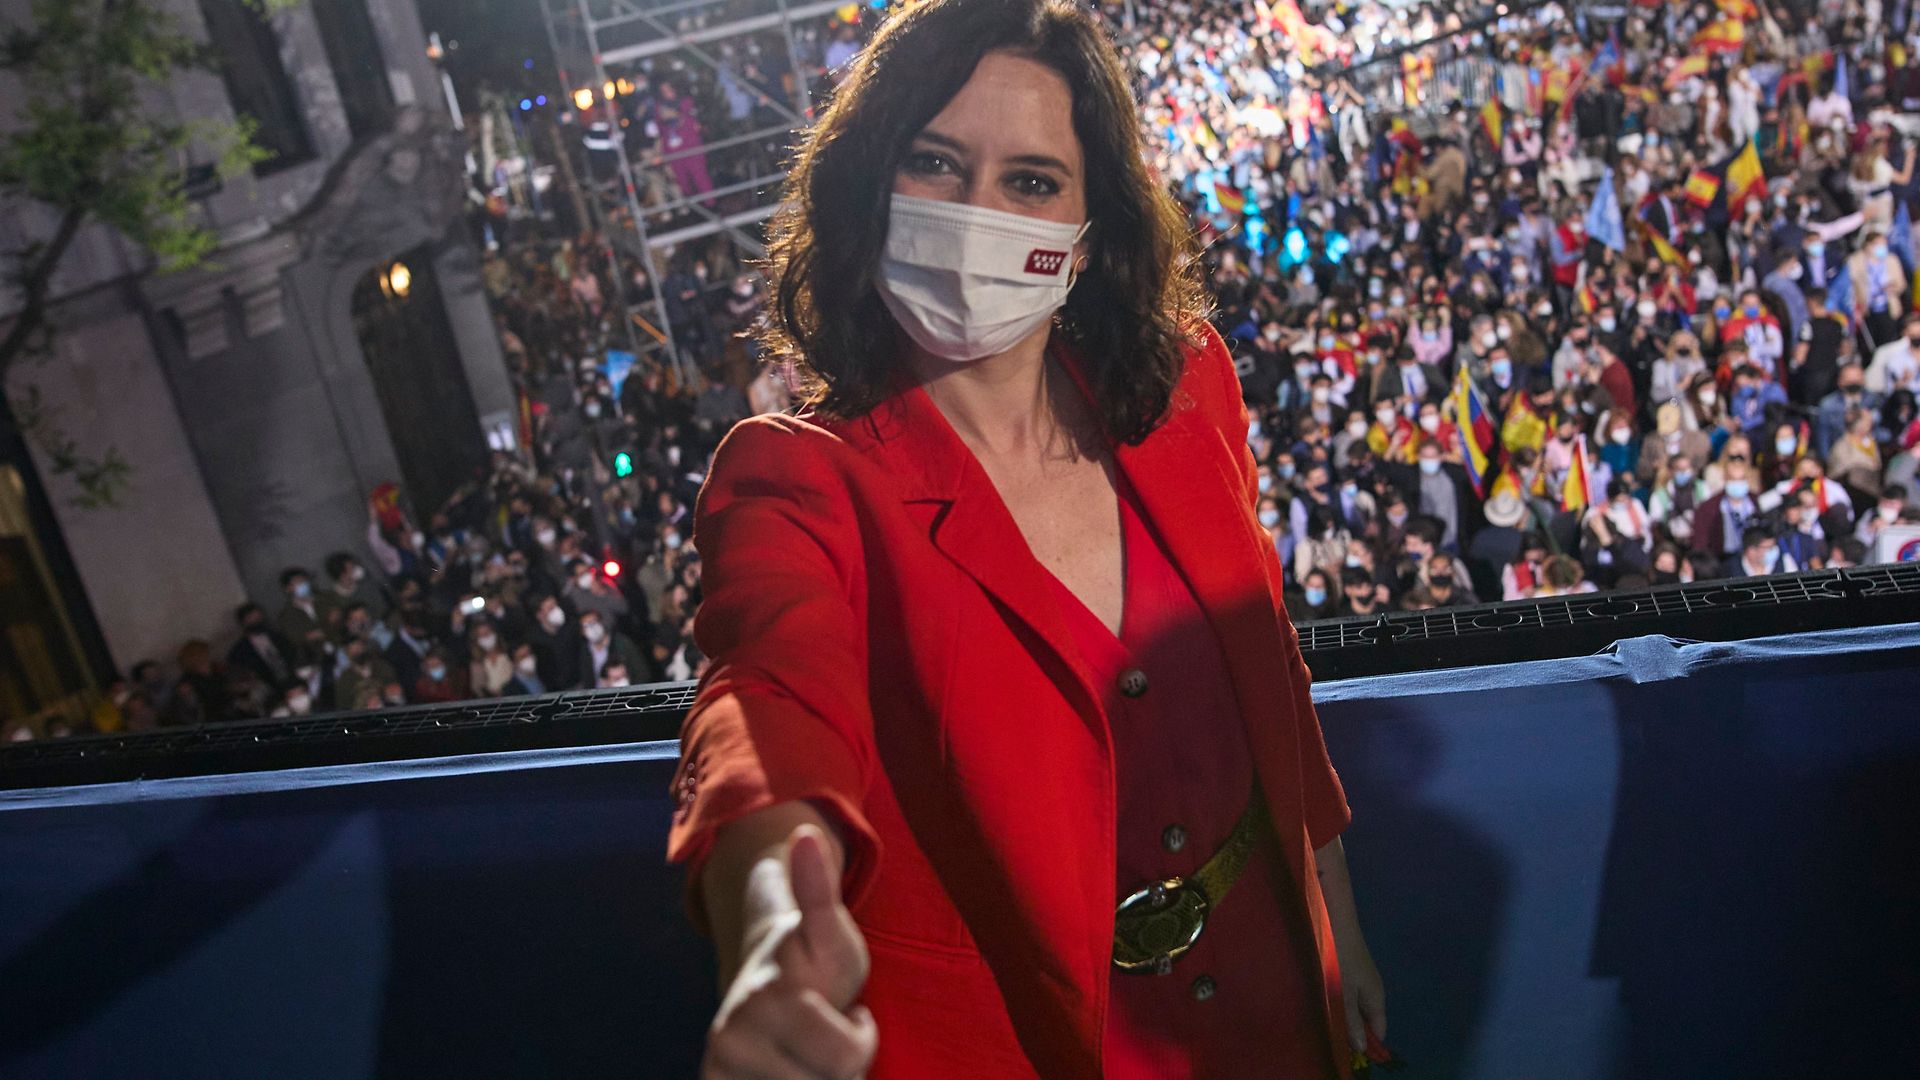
x=1337 y=890
x=744 y=881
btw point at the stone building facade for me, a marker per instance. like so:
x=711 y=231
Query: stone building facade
x=340 y=338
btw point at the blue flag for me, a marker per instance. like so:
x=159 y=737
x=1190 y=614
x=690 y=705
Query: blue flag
x=1840 y=75
x=1900 y=237
x=1603 y=217
x=1840 y=297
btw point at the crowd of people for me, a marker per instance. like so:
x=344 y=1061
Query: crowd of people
x=1638 y=309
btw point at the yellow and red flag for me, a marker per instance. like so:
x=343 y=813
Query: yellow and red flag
x=1702 y=187
x=1661 y=247
x=1745 y=179
x=1738 y=9
x=1490 y=120
x=1576 y=491
x=1691 y=67
x=1727 y=35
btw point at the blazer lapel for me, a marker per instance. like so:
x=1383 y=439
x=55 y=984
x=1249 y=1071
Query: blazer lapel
x=970 y=524
x=1184 y=476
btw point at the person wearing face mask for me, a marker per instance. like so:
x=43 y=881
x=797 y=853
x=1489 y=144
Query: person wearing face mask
x=1787 y=281
x=1855 y=460
x=557 y=644
x=261 y=649
x=1830 y=417
x=1359 y=594
x=1720 y=521
x=978 y=179
x=1616 y=537
x=1438 y=489
x=1879 y=288
x=1407 y=379
x=603 y=645
x=587 y=591
x=490 y=664
x=1316 y=598
x=363 y=669
x=1676 y=367
x=1671 y=438
x=1896 y=365
x=1760 y=554
x=1754 y=326
x=1890 y=509
x=295 y=701
x=300 y=621
x=526 y=680
x=440 y=681
x=1816 y=356
x=1446 y=582
x=349 y=583
x=1432 y=340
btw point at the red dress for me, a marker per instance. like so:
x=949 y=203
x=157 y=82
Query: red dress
x=1242 y=1002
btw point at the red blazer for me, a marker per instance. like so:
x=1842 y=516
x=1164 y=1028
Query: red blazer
x=884 y=643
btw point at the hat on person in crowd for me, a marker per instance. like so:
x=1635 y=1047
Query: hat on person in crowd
x=1666 y=419
x=1505 y=510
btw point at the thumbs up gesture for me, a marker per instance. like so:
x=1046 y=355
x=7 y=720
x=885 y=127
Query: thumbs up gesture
x=789 y=1011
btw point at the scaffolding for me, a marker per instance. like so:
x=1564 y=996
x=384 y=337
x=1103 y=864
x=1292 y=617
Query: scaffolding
x=598 y=45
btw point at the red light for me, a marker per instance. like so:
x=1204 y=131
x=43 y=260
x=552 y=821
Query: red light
x=611 y=569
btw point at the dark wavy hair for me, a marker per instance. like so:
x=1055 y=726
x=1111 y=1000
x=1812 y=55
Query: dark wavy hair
x=1134 y=312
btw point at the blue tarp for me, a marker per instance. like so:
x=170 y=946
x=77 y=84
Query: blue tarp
x=1670 y=859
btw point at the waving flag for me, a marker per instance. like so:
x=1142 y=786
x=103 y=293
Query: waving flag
x=1745 y=179
x=1490 y=120
x=1231 y=199
x=1691 y=67
x=1660 y=246
x=1702 y=187
x=1727 y=35
x=1604 y=222
x=1475 y=425
x=1576 y=491
x=1739 y=9
x=1840 y=297
x=1900 y=236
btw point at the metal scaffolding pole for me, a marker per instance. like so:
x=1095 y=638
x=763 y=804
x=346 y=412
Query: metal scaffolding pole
x=577 y=22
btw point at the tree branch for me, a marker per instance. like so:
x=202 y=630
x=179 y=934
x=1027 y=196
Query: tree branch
x=36 y=283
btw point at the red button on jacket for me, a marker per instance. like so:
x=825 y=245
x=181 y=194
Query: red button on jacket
x=884 y=643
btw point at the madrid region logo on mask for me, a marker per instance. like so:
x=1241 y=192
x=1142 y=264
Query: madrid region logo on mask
x=1042 y=261
x=966 y=282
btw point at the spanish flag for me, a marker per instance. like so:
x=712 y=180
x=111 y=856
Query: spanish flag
x=1490 y=120
x=1745 y=179
x=1660 y=246
x=1702 y=187
x=1738 y=9
x=1691 y=67
x=1576 y=491
x=1727 y=35
x=1232 y=199
x=1523 y=428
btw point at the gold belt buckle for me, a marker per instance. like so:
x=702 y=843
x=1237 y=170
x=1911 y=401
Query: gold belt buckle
x=1157 y=925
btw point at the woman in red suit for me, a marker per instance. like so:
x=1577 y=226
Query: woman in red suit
x=1005 y=763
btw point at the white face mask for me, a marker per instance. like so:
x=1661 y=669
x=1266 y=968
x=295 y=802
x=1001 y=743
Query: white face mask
x=966 y=282
x=527 y=665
